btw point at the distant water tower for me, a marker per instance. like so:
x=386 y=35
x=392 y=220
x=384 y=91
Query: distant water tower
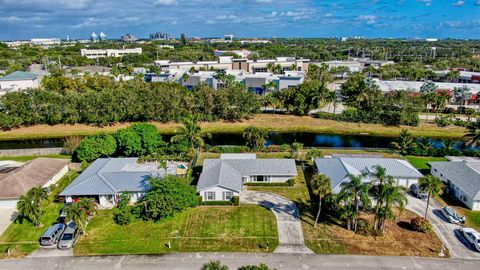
x=94 y=37
x=102 y=36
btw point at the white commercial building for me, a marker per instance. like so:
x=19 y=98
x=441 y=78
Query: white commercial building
x=98 y=53
x=18 y=80
x=45 y=41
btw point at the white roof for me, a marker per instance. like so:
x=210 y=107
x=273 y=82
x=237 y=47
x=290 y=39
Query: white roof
x=387 y=86
x=238 y=156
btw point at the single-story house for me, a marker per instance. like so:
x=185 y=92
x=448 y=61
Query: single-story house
x=17 y=180
x=338 y=169
x=462 y=179
x=222 y=179
x=18 y=80
x=107 y=178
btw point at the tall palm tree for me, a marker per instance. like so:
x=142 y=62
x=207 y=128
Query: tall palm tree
x=355 y=191
x=428 y=93
x=191 y=132
x=321 y=186
x=441 y=100
x=425 y=144
x=433 y=186
x=473 y=133
x=391 y=195
x=379 y=175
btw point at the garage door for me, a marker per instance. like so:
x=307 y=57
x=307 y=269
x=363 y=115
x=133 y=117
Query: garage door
x=8 y=204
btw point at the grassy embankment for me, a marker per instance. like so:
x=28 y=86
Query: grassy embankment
x=271 y=122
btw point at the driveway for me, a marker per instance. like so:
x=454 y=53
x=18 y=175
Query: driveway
x=51 y=251
x=7 y=216
x=447 y=232
x=290 y=233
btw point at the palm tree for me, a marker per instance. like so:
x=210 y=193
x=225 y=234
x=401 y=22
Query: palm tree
x=191 y=132
x=271 y=67
x=295 y=149
x=354 y=192
x=214 y=265
x=321 y=186
x=473 y=133
x=314 y=154
x=75 y=213
x=404 y=142
x=441 y=99
x=379 y=175
x=271 y=86
x=433 y=186
x=391 y=195
x=463 y=93
x=425 y=144
x=29 y=206
x=428 y=93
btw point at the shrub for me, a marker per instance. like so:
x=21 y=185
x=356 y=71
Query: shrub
x=217 y=203
x=285 y=147
x=421 y=224
x=236 y=200
x=364 y=228
x=265 y=184
x=229 y=149
x=291 y=182
x=444 y=121
x=274 y=148
x=123 y=216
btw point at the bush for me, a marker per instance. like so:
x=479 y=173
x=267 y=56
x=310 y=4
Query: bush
x=420 y=224
x=123 y=216
x=236 y=200
x=285 y=147
x=291 y=182
x=460 y=123
x=93 y=147
x=444 y=121
x=217 y=203
x=449 y=110
x=266 y=184
x=229 y=149
x=273 y=148
x=364 y=228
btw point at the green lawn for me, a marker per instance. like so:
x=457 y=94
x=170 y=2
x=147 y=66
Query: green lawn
x=224 y=229
x=421 y=162
x=22 y=238
x=28 y=158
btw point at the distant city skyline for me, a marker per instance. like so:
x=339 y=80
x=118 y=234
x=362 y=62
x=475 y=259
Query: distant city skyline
x=26 y=19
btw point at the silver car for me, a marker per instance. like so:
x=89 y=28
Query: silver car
x=452 y=216
x=472 y=236
x=69 y=236
x=52 y=235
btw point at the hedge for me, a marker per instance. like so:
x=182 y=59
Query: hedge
x=289 y=183
x=229 y=203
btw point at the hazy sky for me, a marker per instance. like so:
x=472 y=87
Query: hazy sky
x=25 y=19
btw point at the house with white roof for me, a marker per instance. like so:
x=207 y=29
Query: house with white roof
x=462 y=178
x=18 y=80
x=339 y=168
x=107 y=178
x=222 y=179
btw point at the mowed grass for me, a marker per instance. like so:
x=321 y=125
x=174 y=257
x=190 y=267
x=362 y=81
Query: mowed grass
x=28 y=158
x=246 y=228
x=271 y=122
x=421 y=163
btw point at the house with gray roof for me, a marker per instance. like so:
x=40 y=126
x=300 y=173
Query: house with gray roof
x=339 y=168
x=107 y=178
x=223 y=178
x=18 y=80
x=462 y=179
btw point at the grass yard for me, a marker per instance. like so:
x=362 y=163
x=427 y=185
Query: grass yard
x=28 y=158
x=22 y=238
x=246 y=228
x=421 y=162
x=271 y=122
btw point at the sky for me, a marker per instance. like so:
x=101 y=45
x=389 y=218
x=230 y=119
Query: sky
x=25 y=19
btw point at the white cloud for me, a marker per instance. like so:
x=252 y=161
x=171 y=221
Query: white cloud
x=368 y=19
x=68 y=4
x=425 y=2
x=476 y=3
x=164 y=2
x=459 y=3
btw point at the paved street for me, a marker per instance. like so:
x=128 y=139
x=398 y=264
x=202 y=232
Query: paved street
x=447 y=232
x=290 y=234
x=192 y=261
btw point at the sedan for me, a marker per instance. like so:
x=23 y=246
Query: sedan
x=452 y=216
x=472 y=236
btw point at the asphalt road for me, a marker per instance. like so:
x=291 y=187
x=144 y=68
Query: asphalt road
x=447 y=232
x=185 y=261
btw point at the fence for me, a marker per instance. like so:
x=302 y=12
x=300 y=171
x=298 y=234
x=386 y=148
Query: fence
x=32 y=152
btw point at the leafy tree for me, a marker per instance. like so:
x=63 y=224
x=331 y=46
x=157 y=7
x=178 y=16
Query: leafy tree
x=191 y=133
x=295 y=149
x=255 y=137
x=314 y=154
x=214 y=265
x=404 y=143
x=93 y=147
x=150 y=137
x=167 y=196
x=123 y=214
x=321 y=186
x=79 y=213
x=473 y=133
x=359 y=91
x=128 y=142
x=433 y=186
x=29 y=206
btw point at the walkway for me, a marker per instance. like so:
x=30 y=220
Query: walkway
x=290 y=233
x=194 y=261
x=447 y=232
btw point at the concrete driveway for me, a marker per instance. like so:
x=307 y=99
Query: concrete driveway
x=7 y=216
x=290 y=233
x=447 y=232
x=51 y=251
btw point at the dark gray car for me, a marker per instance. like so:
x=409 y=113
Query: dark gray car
x=52 y=235
x=69 y=236
x=417 y=192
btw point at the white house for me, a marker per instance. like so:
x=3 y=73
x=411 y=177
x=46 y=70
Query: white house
x=98 y=53
x=462 y=179
x=18 y=80
x=107 y=178
x=223 y=178
x=339 y=168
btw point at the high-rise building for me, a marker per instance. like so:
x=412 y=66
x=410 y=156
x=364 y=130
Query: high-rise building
x=129 y=38
x=160 y=36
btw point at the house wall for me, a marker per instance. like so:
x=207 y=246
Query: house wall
x=457 y=192
x=406 y=182
x=136 y=196
x=218 y=193
x=57 y=176
x=19 y=85
x=8 y=204
x=270 y=178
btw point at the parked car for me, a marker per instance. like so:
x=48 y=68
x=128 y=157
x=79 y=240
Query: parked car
x=416 y=191
x=69 y=237
x=472 y=236
x=452 y=216
x=52 y=235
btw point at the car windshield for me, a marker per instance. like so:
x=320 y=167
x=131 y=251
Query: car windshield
x=46 y=238
x=450 y=211
x=67 y=236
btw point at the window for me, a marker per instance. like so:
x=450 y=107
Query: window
x=227 y=195
x=209 y=196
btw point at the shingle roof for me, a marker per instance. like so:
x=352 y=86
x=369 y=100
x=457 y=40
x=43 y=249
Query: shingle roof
x=337 y=169
x=113 y=175
x=228 y=173
x=35 y=173
x=18 y=76
x=464 y=175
